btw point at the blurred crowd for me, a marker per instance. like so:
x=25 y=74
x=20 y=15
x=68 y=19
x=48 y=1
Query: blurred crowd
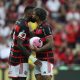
x=63 y=15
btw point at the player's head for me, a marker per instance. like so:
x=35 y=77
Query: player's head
x=40 y=14
x=28 y=10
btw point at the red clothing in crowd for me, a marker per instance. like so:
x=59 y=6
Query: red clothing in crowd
x=63 y=56
x=78 y=33
x=58 y=38
x=71 y=33
x=68 y=59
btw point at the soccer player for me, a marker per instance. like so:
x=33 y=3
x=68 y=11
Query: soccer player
x=20 y=51
x=45 y=53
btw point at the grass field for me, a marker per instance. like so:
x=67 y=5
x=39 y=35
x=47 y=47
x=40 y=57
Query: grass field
x=6 y=75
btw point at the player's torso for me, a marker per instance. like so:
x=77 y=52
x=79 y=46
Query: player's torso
x=23 y=29
x=16 y=55
x=46 y=55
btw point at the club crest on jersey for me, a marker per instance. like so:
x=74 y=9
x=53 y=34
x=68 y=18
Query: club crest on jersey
x=39 y=31
x=22 y=35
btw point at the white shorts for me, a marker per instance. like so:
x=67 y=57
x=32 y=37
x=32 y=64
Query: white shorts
x=46 y=69
x=20 y=70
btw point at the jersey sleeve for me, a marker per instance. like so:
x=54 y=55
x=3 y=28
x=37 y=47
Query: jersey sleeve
x=19 y=31
x=47 y=31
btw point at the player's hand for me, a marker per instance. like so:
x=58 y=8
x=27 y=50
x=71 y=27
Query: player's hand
x=36 y=49
x=35 y=61
x=38 y=63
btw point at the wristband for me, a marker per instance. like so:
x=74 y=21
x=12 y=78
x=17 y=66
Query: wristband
x=32 y=58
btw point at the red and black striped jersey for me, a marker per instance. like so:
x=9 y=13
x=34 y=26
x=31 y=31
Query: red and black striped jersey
x=21 y=31
x=43 y=31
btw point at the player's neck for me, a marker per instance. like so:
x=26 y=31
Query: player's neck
x=39 y=22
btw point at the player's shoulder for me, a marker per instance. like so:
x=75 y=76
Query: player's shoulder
x=21 y=22
x=46 y=24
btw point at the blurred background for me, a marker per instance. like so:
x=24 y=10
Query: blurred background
x=64 y=16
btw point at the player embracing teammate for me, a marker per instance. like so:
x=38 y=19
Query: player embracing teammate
x=45 y=53
x=20 y=49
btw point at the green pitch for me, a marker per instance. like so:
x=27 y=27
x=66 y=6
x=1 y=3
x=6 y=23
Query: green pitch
x=6 y=75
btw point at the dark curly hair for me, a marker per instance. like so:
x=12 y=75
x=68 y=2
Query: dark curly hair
x=41 y=13
x=28 y=9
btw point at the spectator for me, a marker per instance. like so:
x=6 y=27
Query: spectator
x=78 y=5
x=59 y=38
x=77 y=58
x=21 y=8
x=2 y=14
x=71 y=31
x=39 y=3
x=53 y=7
x=77 y=49
x=4 y=55
x=72 y=14
x=31 y=2
x=69 y=56
x=12 y=14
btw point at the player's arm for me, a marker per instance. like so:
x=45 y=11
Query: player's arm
x=21 y=36
x=49 y=39
x=27 y=53
x=21 y=47
x=48 y=45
